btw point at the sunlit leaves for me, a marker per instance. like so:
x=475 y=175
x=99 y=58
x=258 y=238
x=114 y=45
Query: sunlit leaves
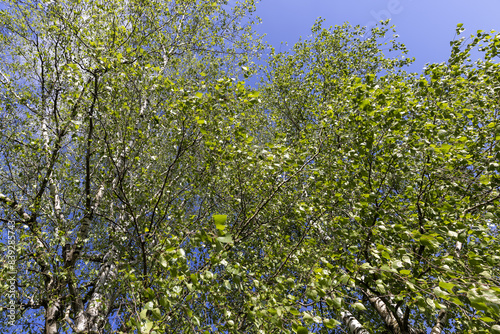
x=344 y=181
x=220 y=221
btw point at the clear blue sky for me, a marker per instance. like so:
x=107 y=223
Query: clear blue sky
x=425 y=26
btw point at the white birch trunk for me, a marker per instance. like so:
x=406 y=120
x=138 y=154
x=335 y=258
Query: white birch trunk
x=352 y=323
x=93 y=318
x=385 y=313
x=441 y=320
x=51 y=317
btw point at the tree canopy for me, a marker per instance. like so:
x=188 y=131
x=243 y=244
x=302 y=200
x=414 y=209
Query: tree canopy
x=145 y=187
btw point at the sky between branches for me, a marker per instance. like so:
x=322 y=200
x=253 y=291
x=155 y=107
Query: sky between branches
x=425 y=26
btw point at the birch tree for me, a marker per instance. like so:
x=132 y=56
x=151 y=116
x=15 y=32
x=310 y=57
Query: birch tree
x=151 y=190
x=404 y=192
x=99 y=105
x=366 y=205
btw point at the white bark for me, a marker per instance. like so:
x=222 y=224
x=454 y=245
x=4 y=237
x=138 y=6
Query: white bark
x=390 y=320
x=51 y=317
x=399 y=312
x=458 y=248
x=441 y=321
x=352 y=323
x=102 y=298
x=93 y=318
x=385 y=313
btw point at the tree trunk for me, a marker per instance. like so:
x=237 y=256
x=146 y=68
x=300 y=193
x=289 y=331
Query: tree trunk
x=352 y=323
x=51 y=316
x=441 y=320
x=386 y=314
x=102 y=298
x=93 y=319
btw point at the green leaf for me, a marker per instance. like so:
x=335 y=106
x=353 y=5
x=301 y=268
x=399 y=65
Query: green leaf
x=163 y=261
x=227 y=239
x=156 y=313
x=495 y=329
x=445 y=148
x=307 y=317
x=365 y=266
x=220 y=221
x=164 y=301
x=447 y=286
x=344 y=279
x=485 y=179
x=149 y=306
x=149 y=293
x=359 y=306
x=302 y=330
x=337 y=302
x=429 y=241
x=331 y=323
x=147 y=327
x=381 y=288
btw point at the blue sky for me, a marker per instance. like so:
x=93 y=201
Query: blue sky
x=425 y=26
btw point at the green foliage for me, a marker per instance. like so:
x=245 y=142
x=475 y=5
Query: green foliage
x=154 y=191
